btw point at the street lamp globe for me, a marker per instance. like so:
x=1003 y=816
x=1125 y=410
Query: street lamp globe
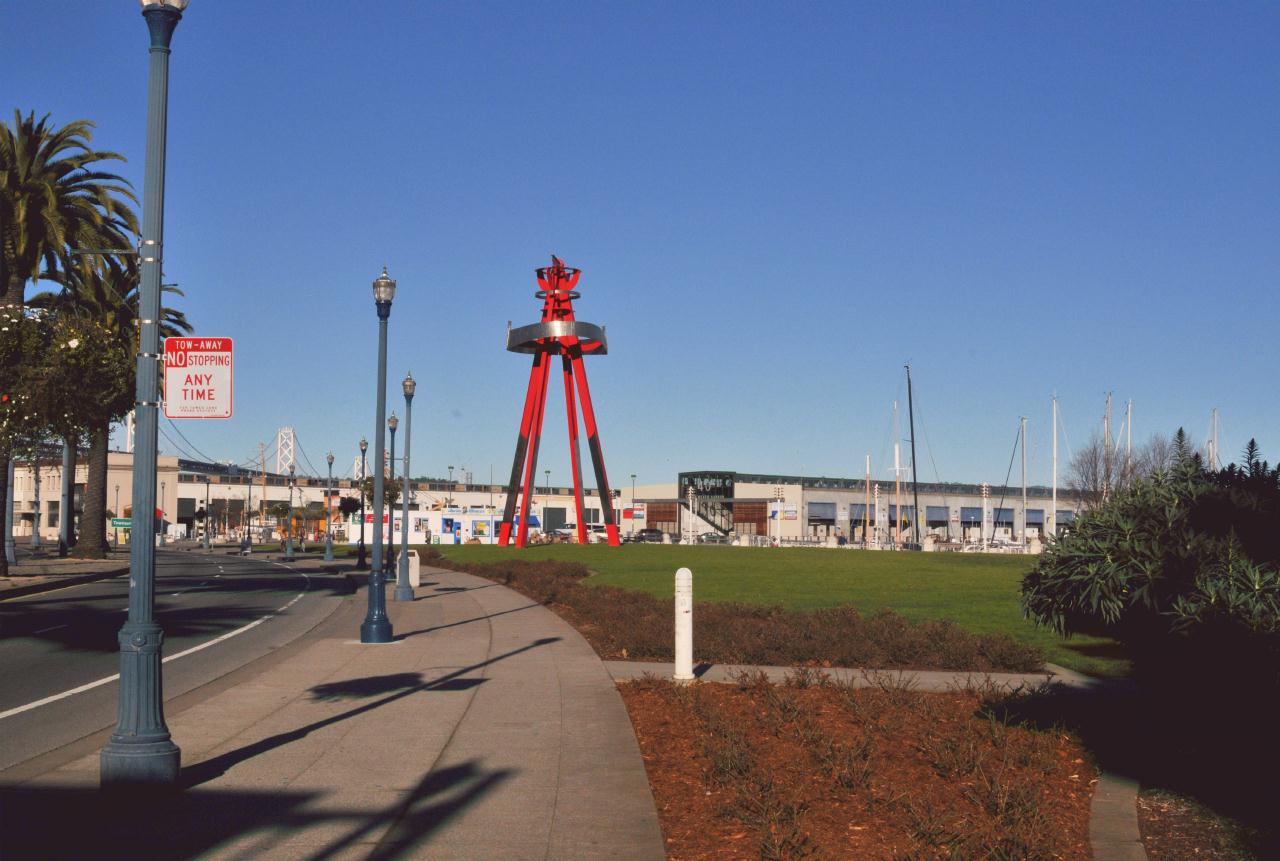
x=364 y=445
x=329 y=458
x=178 y=5
x=410 y=385
x=393 y=422
x=384 y=288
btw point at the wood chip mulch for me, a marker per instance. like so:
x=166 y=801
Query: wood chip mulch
x=754 y=771
x=1177 y=828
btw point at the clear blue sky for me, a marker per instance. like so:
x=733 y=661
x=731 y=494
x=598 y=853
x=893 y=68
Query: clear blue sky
x=774 y=206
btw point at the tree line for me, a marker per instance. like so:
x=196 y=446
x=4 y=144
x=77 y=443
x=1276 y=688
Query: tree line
x=68 y=353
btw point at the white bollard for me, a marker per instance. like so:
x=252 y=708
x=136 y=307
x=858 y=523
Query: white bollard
x=684 y=626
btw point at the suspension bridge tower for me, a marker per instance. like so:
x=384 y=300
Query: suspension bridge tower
x=557 y=333
x=286 y=442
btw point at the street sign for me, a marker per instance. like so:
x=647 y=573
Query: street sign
x=197 y=378
x=122 y=523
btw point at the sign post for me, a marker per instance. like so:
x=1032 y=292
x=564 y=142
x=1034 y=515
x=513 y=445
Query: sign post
x=197 y=378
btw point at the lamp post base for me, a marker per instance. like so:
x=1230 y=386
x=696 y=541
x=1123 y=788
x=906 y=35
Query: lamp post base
x=404 y=592
x=140 y=764
x=376 y=627
x=328 y=549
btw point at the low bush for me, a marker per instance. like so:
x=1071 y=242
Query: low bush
x=1183 y=567
x=621 y=623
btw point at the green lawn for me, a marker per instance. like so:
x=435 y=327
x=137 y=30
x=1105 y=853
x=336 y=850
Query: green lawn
x=978 y=591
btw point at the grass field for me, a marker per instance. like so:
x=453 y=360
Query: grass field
x=977 y=591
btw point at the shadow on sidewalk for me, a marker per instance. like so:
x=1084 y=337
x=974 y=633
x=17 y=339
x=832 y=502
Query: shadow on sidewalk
x=465 y=621
x=1221 y=754
x=56 y=822
x=396 y=686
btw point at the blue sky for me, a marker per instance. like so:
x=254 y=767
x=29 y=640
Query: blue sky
x=774 y=206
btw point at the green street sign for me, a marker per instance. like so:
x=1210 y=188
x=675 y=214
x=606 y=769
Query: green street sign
x=121 y=522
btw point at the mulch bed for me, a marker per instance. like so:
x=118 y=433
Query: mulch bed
x=819 y=770
x=1176 y=828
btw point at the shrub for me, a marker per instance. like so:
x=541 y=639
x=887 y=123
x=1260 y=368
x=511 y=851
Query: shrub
x=1184 y=566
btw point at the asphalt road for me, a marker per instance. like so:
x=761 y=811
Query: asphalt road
x=56 y=642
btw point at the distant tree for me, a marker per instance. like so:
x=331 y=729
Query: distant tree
x=348 y=505
x=1097 y=471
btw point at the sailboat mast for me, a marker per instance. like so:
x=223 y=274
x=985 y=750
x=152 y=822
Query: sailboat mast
x=1106 y=450
x=1128 y=446
x=915 y=488
x=1023 y=433
x=897 y=481
x=1053 y=514
x=1213 y=439
x=866 y=508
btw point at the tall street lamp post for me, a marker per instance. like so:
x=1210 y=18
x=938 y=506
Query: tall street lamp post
x=207 y=513
x=116 y=510
x=328 y=512
x=361 y=562
x=377 y=627
x=392 y=423
x=35 y=520
x=246 y=541
x=633 y=504
x=404 y=591
x=65 y=534
x=448 y=498
x=293 y=482
x=162 y=529
x=141 y=751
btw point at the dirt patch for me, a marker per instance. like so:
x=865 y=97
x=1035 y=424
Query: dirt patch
x=825 y=771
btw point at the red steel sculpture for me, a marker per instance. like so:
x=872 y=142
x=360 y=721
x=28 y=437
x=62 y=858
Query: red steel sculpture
x=558 y=332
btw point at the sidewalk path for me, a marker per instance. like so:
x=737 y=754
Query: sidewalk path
x=489 y=729
x=34 y=574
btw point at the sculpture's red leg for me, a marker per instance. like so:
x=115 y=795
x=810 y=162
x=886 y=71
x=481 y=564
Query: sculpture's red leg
x=574 y=459
x=522 y=447
x=535 y=438
x=597 y=455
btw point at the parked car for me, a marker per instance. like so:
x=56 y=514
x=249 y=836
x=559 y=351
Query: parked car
x=649 y=536
x=713 y=538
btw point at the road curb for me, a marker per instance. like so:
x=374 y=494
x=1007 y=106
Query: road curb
x=61 y=583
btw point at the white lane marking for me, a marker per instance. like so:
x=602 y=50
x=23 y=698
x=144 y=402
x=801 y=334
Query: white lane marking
x=174 y=594
x=100 y=682
x=50 y=628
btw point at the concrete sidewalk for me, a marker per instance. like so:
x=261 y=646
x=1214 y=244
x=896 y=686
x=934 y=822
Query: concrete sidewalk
x=44 y=573
x=489 y=729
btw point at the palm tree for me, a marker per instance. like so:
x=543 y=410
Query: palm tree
x=106 y=291
x=51 y=204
